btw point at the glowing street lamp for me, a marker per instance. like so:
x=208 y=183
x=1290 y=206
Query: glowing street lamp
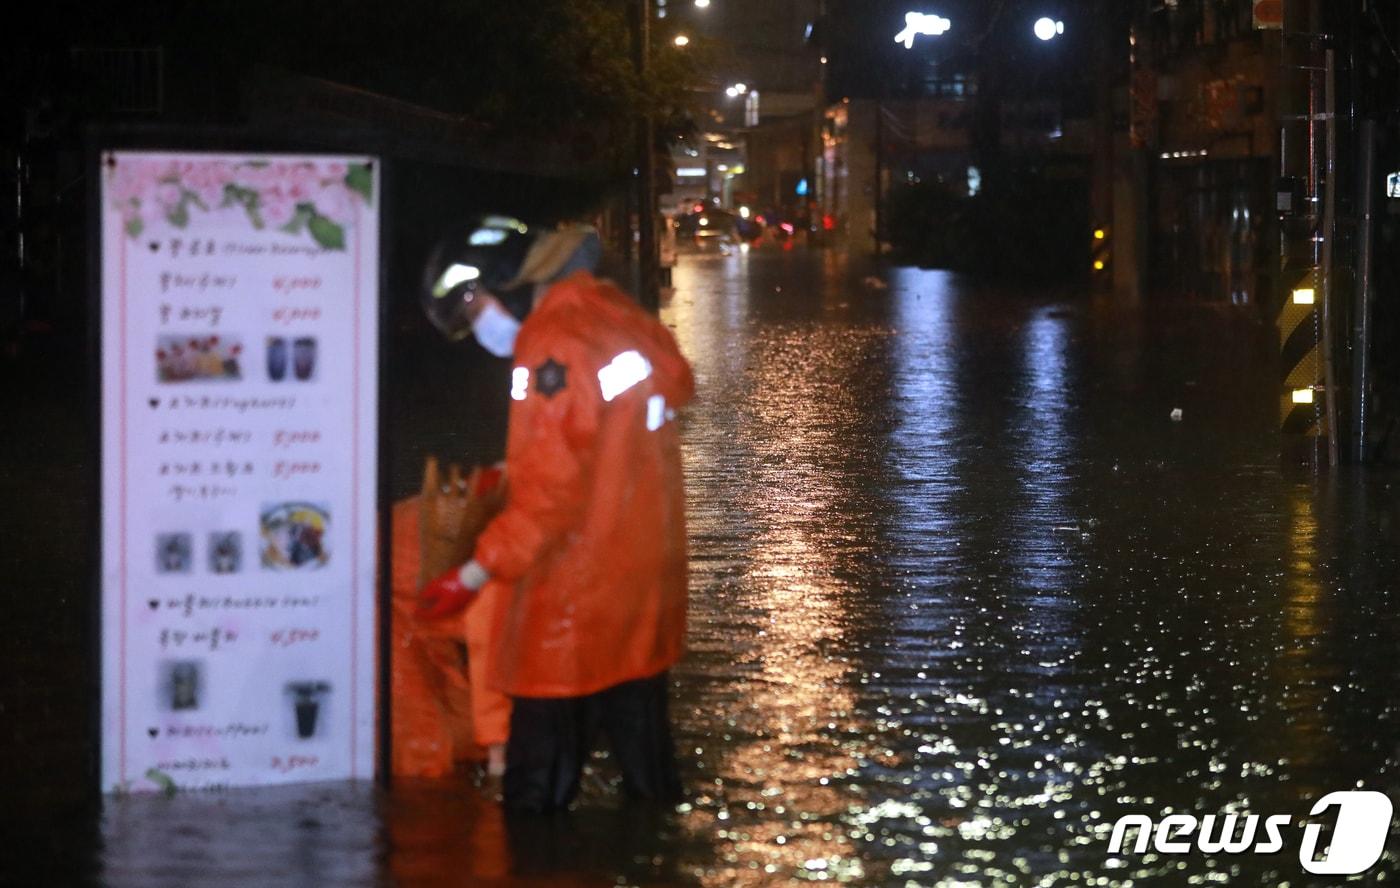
x=682 y=40
x=1048 y=29
x=702 y=4
x=919 y=23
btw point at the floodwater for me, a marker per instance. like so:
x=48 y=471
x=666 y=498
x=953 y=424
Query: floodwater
x=963 y=594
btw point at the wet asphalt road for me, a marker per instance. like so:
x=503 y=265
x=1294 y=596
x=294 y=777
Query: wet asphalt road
x=962 y=594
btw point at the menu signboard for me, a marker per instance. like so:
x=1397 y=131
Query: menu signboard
x=239 y=379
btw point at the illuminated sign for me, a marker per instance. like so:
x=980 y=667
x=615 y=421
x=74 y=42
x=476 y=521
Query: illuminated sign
x=918 y=23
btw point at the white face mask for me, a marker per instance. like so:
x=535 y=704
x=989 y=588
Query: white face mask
x=495 y=328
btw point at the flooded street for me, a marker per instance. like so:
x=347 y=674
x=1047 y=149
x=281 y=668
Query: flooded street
x=963 y=593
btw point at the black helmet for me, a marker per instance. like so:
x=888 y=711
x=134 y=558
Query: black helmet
x=484 y=252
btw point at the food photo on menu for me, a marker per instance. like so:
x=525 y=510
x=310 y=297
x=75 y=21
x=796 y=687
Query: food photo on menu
x=182 y=358
x=294 y=536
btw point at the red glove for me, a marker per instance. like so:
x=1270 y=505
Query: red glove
x=445 y=596
x=489 y=479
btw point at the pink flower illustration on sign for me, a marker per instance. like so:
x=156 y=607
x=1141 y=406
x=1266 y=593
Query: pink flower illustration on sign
x=276 y=207
x=298 y=197
x=209 y=182
x=336 y=202
x=169 y=196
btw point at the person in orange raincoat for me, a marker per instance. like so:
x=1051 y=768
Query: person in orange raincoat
x=585 y=566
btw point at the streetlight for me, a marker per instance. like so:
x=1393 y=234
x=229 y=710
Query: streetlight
x=682 y=40
x=702 y=4
x=1048 y=29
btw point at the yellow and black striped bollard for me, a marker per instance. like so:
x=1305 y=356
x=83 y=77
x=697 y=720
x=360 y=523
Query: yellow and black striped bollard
x=1300 y=402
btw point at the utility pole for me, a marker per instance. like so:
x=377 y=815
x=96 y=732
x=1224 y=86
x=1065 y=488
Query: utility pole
x=879 y=175
x=1103 y=168
x=648 y=263
x=1364 y=291
x=1306 y=203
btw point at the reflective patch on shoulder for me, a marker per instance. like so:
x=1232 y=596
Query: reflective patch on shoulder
x=622 y=372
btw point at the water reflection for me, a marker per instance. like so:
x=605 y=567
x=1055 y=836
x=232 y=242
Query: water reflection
x=1047 y=530
x=1307 y=742
x=293 y=836
x=785 y=745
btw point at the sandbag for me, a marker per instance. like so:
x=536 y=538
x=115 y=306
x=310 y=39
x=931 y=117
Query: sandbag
x=433 y=725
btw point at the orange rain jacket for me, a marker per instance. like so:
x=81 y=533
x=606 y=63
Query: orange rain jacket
x=591 y=542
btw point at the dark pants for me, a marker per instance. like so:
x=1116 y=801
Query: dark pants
x=551 y=738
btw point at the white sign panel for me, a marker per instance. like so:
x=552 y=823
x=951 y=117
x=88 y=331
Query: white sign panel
x=239 y=381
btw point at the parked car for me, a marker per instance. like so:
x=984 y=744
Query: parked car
x=708 y=229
